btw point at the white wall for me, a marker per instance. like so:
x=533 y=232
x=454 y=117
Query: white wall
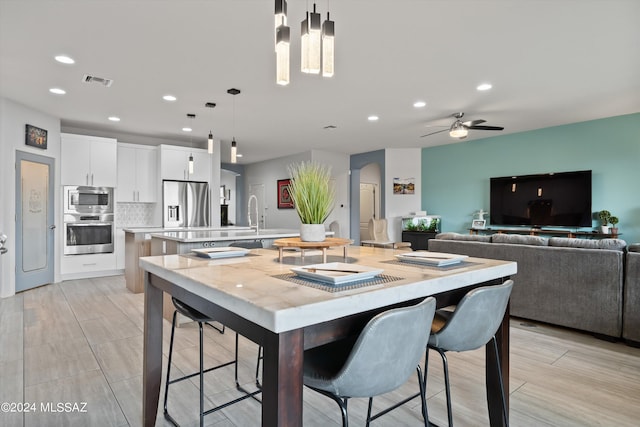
x=401 y=163
x=13 y=118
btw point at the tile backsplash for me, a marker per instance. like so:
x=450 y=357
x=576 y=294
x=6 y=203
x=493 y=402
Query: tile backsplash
x=135 y=214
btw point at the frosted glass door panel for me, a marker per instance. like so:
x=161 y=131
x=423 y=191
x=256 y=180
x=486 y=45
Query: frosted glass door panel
x=35 y=191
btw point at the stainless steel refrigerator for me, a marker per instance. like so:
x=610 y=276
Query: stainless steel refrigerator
x=185 y=204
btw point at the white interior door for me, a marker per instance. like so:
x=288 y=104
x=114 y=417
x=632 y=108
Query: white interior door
x=367 y=208
x=34 y=220
x=258 y=191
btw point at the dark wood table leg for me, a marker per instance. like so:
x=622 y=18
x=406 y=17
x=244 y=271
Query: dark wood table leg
x=282 y=379
x=152 y=365
x=494 y=402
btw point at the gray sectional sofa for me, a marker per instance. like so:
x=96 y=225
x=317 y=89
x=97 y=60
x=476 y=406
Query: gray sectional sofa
x=631 y=312
x=577 y=283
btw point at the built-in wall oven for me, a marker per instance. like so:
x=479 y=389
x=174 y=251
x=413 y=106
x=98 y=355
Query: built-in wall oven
x=88 y=220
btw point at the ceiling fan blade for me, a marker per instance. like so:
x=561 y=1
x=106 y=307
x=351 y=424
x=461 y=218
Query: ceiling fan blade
x=486 y=127
x=473 y=122
x=433 y=133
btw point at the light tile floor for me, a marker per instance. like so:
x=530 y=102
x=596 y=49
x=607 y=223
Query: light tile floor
x=81 y=341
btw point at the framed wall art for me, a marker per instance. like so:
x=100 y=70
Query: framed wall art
x=284 y=198
x=36 y=137
x=404 y=185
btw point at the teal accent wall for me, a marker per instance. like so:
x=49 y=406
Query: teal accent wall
x=455 y=177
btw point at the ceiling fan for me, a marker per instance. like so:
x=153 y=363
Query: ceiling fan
x=460 y=129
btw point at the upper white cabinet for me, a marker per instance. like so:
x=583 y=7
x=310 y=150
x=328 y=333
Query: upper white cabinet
x=174 y=163
x=137 y=173
x=88 y=160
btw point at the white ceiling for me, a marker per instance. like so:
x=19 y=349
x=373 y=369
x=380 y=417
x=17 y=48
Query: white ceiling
x=551 y=62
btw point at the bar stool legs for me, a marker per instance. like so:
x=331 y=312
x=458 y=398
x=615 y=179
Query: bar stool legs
x=201 y=373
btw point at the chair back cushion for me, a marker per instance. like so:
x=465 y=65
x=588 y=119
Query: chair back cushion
x=385 y=355
x=378 y=230
x=475 y=319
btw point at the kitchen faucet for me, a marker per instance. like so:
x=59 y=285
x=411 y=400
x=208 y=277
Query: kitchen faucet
x=252 y=197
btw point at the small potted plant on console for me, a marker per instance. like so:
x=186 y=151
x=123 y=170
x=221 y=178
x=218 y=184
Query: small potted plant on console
x=614 y=225
x=604 y=216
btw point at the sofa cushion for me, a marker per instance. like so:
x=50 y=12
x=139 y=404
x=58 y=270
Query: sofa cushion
x=517 y=239
x=609 y=244
x=634 y=247
x=464 y=237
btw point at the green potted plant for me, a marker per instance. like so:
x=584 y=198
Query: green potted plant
x=614 y=222
x=313 y=198
x=604 y=216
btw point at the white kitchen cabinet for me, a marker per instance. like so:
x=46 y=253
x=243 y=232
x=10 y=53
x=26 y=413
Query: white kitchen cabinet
x=88 y=160
x=137 y=173
x=90 y=265
x=119 y=249
x=174 y=163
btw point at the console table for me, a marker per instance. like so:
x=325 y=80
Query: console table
x=544 y=231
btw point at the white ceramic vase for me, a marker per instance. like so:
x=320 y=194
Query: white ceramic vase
x=312 y=232
x=604 y=229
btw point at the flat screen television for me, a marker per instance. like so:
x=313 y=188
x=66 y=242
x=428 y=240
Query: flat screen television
x=554 y=199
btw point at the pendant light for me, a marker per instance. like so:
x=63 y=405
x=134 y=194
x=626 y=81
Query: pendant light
x=192 y=117
x=280 y=18
x=234 y=145
x=282 y=54
x=311 y=40
x=458 y=130
x=210 y=139
x=328 y=39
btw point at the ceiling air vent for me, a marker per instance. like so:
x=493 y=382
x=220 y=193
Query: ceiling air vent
x=93 y=79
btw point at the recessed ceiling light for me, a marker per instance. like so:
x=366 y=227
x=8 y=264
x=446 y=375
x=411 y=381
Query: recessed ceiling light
x=114 y=119
x=64 y=59
x=484 y=86
x=187 y=129
x=57 y=91
x=419 y=104
x=169 y=98
x=373 y=118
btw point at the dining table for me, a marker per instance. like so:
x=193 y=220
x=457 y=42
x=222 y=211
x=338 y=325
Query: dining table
x=275 y=305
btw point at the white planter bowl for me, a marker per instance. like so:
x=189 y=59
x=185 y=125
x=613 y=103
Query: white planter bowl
x=312 y=232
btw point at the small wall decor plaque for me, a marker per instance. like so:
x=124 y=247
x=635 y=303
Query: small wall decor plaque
x=284 y=197
x=36 y=137
x=404 y=185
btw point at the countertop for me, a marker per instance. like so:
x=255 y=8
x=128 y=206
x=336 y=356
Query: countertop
x=163 y=229
x=222 y=235
x=250 y=286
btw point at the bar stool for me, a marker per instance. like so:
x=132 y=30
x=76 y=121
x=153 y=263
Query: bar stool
x=471 y=325
x=202 y=319
x=384 y=356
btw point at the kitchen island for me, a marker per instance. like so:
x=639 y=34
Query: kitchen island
x=137 y=242
x=252 y=296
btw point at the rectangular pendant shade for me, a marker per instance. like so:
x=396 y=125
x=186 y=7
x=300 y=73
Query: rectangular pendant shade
x=190 y=164
x=311 y=42
x=328 y=38
x=282 y=55
x=210 y=143
x=234 y=152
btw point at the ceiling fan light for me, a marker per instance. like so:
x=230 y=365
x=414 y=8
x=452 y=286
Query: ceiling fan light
x=458 y=130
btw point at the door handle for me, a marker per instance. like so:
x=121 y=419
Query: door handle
x=51 y=227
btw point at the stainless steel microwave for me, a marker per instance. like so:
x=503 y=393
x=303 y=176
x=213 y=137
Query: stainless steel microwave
x=78 y=199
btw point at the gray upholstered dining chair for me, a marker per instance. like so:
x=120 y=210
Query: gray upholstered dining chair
x=381 y=359
x=471 y=325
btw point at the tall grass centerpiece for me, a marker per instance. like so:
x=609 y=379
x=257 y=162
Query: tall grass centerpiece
x=313 y=197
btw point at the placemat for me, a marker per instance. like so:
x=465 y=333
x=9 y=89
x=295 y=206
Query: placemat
x=377 y=280
x=461 y=264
